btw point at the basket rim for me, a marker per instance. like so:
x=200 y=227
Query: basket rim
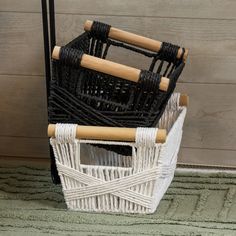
x=181 y=114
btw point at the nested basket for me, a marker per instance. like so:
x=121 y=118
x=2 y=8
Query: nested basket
x=85 y=94
x=94 y=95
x=94 y=179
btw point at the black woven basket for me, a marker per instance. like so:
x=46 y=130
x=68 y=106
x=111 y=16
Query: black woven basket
x=79 y=95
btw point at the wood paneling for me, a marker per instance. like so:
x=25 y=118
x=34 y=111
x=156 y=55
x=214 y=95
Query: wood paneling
x=23 y=106
x=24 y=112
x=24 y=147
x=211 y=116
x=212 y=43
x=35 y=148
x=24 y=161
x=21 y=44
x=207 y=157
x=207 y=27
x=211 y=9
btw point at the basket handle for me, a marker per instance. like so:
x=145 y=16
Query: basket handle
x=107 y=133
x=136 y=40
x=111 y=68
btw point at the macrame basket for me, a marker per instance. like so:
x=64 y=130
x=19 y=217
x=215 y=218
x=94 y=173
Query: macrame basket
x=87 y=97
x=94 y=179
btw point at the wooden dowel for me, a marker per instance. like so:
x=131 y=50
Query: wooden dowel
x=134 y=39
x=184 y=100
x=107 y=133
x=111 y=68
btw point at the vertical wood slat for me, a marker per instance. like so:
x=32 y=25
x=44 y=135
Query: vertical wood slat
x=211 y=60
x=197 y=25
x=201 y=9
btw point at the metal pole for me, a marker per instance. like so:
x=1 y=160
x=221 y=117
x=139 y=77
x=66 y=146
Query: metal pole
x=52 y=24
x=46 y=46
x=47 y=61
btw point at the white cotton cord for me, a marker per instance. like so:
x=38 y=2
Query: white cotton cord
x=171 y=112
x=108 y=182
x=146 y=137
x=65 y=132
x=115 y=187
x=173 y=103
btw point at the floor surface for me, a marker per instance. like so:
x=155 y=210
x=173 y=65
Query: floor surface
x=195 y=204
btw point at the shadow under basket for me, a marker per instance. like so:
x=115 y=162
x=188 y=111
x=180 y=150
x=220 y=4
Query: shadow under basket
x=96 y=180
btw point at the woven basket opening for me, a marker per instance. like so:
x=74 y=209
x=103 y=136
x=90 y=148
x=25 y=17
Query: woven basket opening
x=120 y=55
x=97 y=156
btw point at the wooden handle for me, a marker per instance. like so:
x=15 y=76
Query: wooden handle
x=107 y=133
x=111 y=68
x=184 y=100
x=134 y=39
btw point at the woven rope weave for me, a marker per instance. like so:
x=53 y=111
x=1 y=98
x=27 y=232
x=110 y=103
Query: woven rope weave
x=115 y=102
x=86 y=97
x=108 y=182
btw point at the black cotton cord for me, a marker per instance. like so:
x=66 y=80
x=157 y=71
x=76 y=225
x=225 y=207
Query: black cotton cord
x=154 y=60
x=70 y=57
x=149 y=81
x=108 y=44
x=98 y=49
x=100 y=31
x=168 y=52
x=92 y=44
x=147 y=85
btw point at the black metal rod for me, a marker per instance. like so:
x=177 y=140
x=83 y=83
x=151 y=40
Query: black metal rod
x=46 y=46
x=47 y=58
x=52 y=24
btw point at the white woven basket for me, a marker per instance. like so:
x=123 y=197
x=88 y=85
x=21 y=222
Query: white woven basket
x=94 y=179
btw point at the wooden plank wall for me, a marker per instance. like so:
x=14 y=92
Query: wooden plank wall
x=206 y=27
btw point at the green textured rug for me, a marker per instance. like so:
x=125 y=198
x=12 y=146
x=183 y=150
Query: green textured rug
x=195 y=204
